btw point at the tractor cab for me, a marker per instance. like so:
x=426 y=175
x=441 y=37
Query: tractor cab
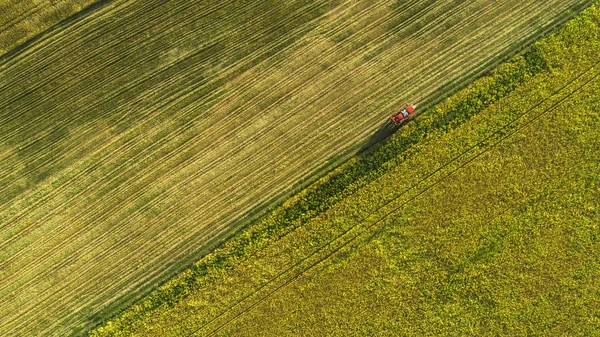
x=402 y=114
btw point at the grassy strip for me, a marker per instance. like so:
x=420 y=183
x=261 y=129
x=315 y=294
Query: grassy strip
x=346 y=180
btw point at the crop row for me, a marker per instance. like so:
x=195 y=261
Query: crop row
x=49 y=251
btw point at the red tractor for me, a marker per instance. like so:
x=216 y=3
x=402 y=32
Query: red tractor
x=402 y=114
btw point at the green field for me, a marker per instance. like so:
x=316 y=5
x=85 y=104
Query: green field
x=138 y=135
x=488 y=226
x=21 y=20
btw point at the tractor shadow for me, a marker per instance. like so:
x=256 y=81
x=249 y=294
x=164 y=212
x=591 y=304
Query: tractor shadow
x=385 y=131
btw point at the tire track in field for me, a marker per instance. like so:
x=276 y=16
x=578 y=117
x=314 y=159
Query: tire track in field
x=47 y=64
x=22 y=20
x=7 y=25
x=157 y=39
x=346 y=244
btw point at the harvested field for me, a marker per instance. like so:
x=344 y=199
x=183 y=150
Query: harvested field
x=138 y=135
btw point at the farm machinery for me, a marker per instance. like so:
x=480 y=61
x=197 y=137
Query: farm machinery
x=402 y=114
